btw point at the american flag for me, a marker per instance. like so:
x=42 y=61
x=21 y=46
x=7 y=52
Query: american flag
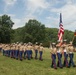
x=61 y=30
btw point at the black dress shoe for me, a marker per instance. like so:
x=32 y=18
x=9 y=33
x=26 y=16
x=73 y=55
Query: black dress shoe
x=55 y=68
x=68 y=66
x=20 y=59
x=51 y=66
x=16 y=58
x=61 y=67
x=74 y=66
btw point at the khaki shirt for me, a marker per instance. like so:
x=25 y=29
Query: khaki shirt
x=53 y=51
x=29 y=47
x=71 y=49
x=17 y=47
x=21 y=48
x=41 y=48
x=24 y=48
x=36 y=47
x=59 y=50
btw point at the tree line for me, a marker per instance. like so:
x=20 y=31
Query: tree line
x=33 y=31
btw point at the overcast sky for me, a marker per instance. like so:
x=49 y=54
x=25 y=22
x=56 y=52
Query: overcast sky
x=45 y=11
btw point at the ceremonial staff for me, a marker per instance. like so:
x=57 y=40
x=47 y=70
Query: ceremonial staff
x=74 y=36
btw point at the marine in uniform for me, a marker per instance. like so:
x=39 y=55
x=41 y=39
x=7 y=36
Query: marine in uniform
x=14 y=51
x=53 y=56
x=21 y=51
x=31 y=51
x=41 y=51
x=29 y=47
x=8 y=50
x=59 y=55
x=17 y=51
x=11 y=51
x=25 y=50
x=36 y=49
x=71 y=55
x=65 y=52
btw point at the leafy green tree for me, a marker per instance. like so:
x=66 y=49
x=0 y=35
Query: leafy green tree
x=52 y=34
x=34 y=31
x=68 y=35
x=17 y=35
x=5 y=29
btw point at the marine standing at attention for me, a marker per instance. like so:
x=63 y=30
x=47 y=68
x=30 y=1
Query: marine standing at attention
x=41 y=51
x=71 y=55
x=53 y=55
x=29 y=47
x=59 y=55
x=21 y=52
x=17 y=51
x=25 y=50
x=36 y=49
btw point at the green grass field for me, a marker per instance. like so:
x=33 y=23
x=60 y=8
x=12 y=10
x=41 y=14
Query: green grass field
x=9 y=66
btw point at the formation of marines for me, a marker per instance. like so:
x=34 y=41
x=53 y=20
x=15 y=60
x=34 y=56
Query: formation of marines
x=25 y=51
x=22 y=50
x=65 y=50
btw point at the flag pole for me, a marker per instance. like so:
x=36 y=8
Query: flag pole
x=74 y=36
